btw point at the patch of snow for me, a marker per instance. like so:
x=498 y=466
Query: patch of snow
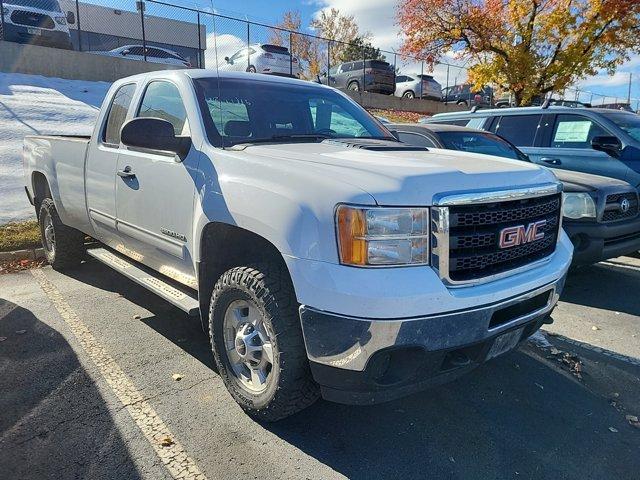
x=37 y=105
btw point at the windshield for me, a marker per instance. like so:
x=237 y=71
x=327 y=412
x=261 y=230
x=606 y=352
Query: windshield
x=49 y=5
x=629 y=122
x=250 y=111
x=478 y=142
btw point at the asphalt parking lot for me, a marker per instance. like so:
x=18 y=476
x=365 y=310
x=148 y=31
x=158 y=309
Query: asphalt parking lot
x=89 y=368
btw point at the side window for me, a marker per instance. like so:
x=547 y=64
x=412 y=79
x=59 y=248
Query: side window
x=401 y=78
x=518 y=129
x=574 y=131
x=117 y=114
x=409 y=79
x=162 y=100
x=415 y=139
x=460 y=123
x=477 y=122
x=136 y=51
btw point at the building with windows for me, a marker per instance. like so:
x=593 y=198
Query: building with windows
x=99 y=28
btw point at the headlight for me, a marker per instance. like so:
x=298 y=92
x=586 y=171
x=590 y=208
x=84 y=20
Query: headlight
x=383 y=236
x=61 y=20
x=578 y=205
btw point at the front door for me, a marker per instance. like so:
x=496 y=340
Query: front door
x=568 y=146
x=155 y=193
x=102 y=163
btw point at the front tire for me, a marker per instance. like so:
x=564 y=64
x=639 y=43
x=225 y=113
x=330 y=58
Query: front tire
x=251 y=69
x=257 y=343
x=63 y=245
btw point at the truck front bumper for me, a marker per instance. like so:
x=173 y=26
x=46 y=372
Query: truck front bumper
x=365 y=361
x=594 y=242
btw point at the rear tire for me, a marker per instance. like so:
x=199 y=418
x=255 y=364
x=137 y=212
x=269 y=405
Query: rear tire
x=63 y=245
x=354 y=86
x=409 y=94
x=252 y=307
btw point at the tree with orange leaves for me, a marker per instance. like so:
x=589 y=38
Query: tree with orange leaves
x=525 y=47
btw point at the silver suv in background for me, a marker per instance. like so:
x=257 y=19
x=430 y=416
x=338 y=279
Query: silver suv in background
x=376 y=76
x=262 y=58
x=418 y=86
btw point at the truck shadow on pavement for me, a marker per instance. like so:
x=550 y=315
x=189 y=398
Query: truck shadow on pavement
x=54 y=421
x=612 y=286
x=518 y=416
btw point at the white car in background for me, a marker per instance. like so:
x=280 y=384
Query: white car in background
x=408 y=86
x=153 y=54
x=262 y=58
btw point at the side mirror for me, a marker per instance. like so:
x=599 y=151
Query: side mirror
x=71 y=17
x=227 y=59
x=124 y=53
x=154 y=134
x=395 y=134
x=607 y=143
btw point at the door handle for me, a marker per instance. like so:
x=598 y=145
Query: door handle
x=126 y=173
x=552 y=161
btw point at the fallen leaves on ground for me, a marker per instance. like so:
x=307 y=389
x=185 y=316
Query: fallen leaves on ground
x=167 y=442
x=633 y=420
x=177 y=377
x=19 y=265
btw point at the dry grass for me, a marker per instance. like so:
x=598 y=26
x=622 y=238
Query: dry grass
x=19 y=235
x=398 y=116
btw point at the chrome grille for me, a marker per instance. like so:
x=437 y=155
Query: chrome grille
x=466 y=236
x=613 y=208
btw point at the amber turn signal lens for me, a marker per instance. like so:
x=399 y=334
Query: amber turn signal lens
x=351 y=233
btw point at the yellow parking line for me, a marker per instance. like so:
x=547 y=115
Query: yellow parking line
x=171 y=453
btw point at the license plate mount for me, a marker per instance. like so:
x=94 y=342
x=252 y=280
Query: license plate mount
x=504 y=343
x=34 y=31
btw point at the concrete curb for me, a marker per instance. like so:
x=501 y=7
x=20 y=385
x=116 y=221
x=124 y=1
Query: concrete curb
x=17 y=255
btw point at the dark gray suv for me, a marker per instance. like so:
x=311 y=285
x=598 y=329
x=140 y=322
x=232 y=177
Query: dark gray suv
x=591 y=140
x=375 y=76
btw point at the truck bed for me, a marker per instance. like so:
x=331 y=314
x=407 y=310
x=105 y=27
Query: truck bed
x=60 y=158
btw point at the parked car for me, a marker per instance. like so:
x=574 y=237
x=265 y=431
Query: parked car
x=376 y=76
x=418 y=85
x=506 y=100
x=150 y=54
x=600 y=213
x=463 y=95
x=273 y=206
x=37 y=22
x=263 y=58
x=591 y=140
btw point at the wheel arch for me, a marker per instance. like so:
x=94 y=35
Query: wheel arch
x=41 y=189
x=224 y=246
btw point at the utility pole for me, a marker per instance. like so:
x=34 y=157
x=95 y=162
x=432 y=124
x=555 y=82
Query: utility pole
x=629 y=90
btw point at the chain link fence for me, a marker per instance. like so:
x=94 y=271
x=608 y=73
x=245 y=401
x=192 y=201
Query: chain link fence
x=161 y=32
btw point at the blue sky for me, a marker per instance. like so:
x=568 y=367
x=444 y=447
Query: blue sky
x=378 y=18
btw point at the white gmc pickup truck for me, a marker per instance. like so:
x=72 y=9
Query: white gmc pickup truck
x=322 y=255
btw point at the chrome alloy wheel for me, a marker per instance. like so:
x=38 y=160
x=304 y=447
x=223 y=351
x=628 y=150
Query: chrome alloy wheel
x=248 y=345
x=49 y=233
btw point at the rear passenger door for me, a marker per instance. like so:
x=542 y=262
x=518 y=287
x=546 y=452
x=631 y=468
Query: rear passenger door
x=567 y=145
x=155 y=199
x=521 y=130
x=102 y=163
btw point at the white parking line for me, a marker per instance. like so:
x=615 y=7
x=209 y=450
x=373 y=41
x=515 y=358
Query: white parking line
x=171 y=453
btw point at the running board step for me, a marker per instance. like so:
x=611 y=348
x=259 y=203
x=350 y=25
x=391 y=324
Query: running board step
x=149 y=279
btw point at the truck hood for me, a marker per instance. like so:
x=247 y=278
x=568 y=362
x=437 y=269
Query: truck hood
x=587 y=182
x=405 y=177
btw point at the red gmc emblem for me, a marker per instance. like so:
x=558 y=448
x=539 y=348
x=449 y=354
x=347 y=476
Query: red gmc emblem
x=514 y=236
